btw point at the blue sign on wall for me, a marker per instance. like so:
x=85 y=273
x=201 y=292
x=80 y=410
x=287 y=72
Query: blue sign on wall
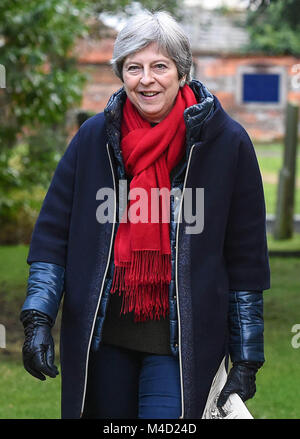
x=261 y=87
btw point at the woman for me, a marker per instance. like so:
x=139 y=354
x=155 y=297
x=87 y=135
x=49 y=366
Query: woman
x=152 y=304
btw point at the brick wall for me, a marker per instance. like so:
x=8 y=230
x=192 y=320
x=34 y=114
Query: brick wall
x=221 y=76
x=219 y=73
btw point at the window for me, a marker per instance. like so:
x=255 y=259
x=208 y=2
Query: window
x=261 y=85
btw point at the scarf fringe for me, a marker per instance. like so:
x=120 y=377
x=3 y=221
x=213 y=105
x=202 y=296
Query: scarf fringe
x=145 y=285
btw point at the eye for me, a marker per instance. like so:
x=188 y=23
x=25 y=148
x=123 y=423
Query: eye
x=160 y=66
x=133 y=68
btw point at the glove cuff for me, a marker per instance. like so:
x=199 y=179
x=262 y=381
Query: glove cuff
x=253 y=365
x=35 y=317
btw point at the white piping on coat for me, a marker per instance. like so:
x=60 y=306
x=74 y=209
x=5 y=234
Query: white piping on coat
x=101 y=290
x=176 y=283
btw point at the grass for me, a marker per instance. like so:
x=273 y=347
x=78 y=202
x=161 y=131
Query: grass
x=284 y=244
x=24 y=397
x=13 y=275
x=13 y=270
x=270 y=159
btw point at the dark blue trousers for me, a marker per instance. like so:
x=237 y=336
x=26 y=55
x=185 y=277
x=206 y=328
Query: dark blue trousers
x=123 y=383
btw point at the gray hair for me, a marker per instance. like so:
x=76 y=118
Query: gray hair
x=158 y=27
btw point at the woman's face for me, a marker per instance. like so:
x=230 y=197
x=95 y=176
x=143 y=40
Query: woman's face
x=151 y=82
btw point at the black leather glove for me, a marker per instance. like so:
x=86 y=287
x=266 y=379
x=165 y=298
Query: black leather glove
x=240 y=380
x=38 y=348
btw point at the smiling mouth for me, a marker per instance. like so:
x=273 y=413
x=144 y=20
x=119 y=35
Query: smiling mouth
x=149 y=94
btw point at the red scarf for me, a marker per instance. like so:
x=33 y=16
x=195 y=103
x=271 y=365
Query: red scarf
x=142 y=251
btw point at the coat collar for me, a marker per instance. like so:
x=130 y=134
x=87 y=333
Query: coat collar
x=196 y=115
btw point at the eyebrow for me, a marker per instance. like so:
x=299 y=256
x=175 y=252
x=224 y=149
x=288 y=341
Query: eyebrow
x=159 y=60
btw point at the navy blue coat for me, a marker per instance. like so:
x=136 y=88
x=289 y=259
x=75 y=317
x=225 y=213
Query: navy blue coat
x=230 y=253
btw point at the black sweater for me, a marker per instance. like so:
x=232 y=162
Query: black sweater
x=152 y=336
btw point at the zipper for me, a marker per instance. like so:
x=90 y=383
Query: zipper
x=101 y=290
x=176 y=283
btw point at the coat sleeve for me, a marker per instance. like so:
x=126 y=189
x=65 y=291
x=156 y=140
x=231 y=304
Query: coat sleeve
x=245 y=246
x=246 y=326
x=45 y=288
x=50 y=235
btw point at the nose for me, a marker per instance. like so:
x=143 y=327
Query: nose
x=146 y=77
